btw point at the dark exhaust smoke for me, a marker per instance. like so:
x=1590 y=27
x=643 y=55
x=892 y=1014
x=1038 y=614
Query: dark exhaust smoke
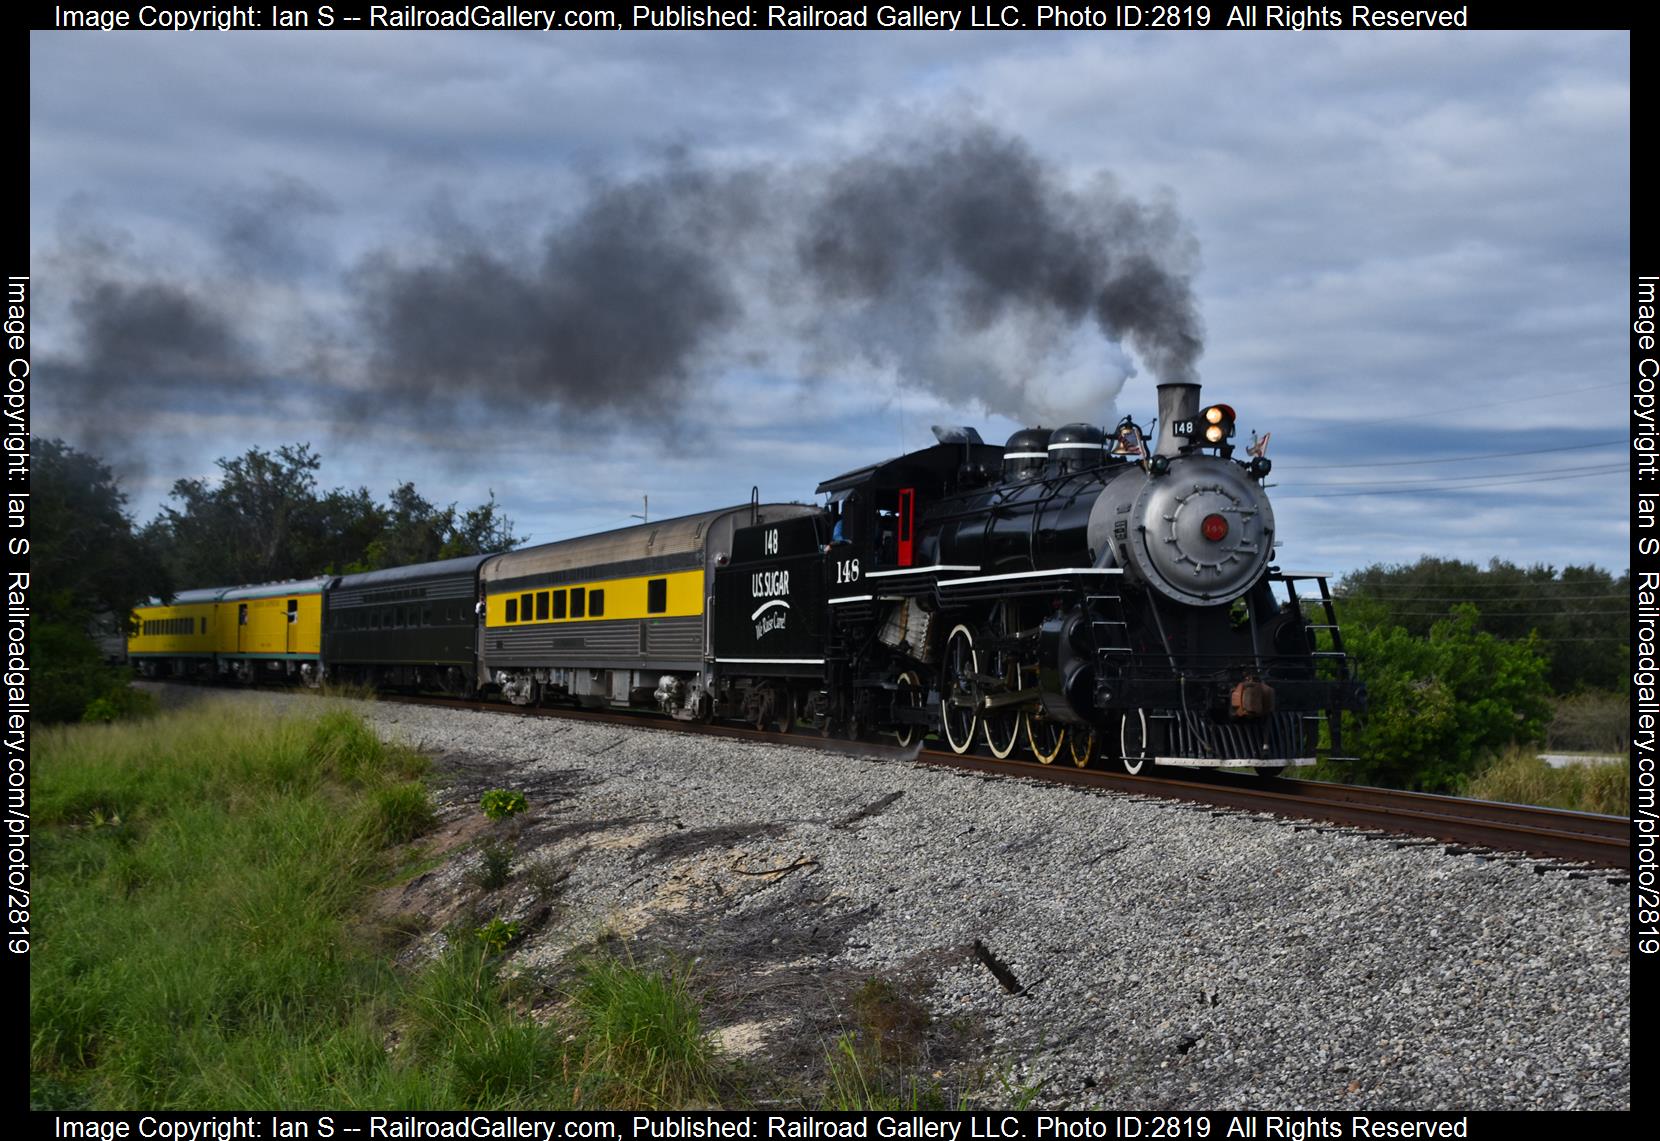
x=953 y=261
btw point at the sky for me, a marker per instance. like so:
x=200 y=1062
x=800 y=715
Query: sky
x=584 y=270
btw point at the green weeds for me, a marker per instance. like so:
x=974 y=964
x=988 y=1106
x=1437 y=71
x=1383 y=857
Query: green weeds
x=1520 y=777
x=206 y=948
x=500 y=803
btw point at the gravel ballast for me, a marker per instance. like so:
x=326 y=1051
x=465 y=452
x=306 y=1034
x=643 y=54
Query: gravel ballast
x=1163 y=957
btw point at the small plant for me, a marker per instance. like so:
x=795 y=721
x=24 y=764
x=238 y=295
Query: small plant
x=894 y=1022
x=118 y=705
x=497 y=934
x=500 y=803
x=401 y=812
x=859 y=1080
x=495 y=864
x=549 y=876
x=643 y=1035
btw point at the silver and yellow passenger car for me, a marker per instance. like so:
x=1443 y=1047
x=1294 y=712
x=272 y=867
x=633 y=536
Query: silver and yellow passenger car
x=613 y=618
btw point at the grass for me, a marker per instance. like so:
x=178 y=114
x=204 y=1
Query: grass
x=203 y=870
x=202 y=949
x=207 y=947
x=1520 y=777
x=645 y=1045
x=875 y=1065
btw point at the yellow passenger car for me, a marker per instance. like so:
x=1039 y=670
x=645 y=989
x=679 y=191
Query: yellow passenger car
x=272 y=632
x=176 y=639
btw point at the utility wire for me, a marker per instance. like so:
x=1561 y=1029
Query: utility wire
x=1425 y=489
x=1465 y=478
x=1493 y=403
x=1458 y=459
x=1515 y=613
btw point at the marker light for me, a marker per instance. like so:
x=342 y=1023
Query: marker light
x=1214 y=528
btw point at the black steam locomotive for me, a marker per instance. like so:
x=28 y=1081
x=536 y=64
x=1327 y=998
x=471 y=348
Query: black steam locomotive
x=1069 y=593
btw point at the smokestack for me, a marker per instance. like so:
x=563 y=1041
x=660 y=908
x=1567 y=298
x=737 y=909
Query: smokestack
x=1177 y=401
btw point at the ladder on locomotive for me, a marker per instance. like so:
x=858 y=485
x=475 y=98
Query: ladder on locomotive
x=1336 y=655
x=1112 y=632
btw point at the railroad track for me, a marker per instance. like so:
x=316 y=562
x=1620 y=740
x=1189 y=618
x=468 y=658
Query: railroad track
x=1459 y=823
x=1552 y=833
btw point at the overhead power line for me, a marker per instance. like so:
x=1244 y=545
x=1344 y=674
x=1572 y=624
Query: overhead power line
x=1332 y=489
x=1514 y=613
x=1455 y=459
x=1494 y=403
x=1437 y=480
x=1543 y=601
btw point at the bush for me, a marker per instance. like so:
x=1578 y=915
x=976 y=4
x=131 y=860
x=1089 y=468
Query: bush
x=1591 y=723
x=1440 y=707
x=497 y=934
x=119 y=704
x=495 y=864
x=499 y=803
x=68 y=673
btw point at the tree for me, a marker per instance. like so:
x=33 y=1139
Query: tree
x=260 y=522
x=82 y=549
x=1582 y=615
x=415 y=531
x=263 y=520
x=87 y=565
x=1441 y=706
x=480 y=530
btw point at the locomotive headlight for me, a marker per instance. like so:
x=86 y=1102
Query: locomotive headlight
x=1218 y=424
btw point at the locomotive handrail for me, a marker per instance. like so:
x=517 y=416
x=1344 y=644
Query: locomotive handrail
x=1051 y=573
x=918 y=570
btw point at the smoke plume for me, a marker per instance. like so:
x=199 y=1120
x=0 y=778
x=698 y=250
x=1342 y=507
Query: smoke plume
x=953 y=260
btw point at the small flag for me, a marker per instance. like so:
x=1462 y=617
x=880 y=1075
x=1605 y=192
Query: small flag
x=1128 y=442
x=1258 y=446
